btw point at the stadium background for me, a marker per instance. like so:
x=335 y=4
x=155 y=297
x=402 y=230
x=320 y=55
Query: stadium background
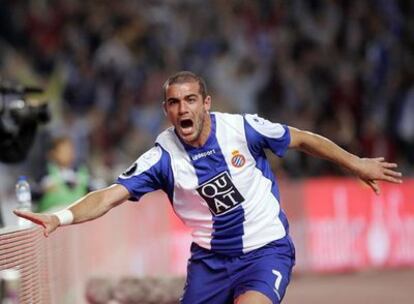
x=343 y=69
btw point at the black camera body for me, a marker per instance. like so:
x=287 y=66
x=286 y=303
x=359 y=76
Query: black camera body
x=18 y=122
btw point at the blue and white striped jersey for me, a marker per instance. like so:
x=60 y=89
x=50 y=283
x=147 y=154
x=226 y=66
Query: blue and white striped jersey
x=225 y=190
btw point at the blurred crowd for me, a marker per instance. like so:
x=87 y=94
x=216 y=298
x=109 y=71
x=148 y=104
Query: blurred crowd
x=129 y=290
x=344 y=69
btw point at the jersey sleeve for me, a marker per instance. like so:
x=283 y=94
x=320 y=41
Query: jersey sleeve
x=145 y=174
x=263 y=134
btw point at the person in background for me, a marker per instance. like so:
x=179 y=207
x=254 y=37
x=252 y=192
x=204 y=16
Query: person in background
x=63 y=183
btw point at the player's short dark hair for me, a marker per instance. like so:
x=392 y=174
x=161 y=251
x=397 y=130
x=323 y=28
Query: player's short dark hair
x=183 y=77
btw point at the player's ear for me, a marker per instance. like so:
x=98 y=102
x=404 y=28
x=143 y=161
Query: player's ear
x=207 y=103
x=164 y=109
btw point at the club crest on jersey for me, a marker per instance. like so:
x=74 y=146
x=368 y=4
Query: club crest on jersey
x=220 y=194
x=238 y=160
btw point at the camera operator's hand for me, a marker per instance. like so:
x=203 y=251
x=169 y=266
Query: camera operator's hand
x=48 y=221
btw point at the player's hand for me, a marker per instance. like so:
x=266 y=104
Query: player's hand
x=371 y=170
x=49 y=222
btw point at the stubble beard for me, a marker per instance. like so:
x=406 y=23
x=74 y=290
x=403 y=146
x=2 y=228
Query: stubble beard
x=199 y=126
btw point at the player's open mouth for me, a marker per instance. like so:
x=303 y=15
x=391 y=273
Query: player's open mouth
x=186 y=126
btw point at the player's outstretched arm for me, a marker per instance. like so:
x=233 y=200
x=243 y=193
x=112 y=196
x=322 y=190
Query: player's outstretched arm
x=369 y=170
x=89 y=207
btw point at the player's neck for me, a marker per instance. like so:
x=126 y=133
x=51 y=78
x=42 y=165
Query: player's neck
x=205 y=131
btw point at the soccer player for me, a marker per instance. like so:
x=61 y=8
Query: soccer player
x=214 y=170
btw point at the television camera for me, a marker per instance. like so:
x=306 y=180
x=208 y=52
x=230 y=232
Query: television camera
x=19 y=121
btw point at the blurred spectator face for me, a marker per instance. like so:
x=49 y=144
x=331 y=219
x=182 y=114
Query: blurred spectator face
x=187 y=111
x=63 y=152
